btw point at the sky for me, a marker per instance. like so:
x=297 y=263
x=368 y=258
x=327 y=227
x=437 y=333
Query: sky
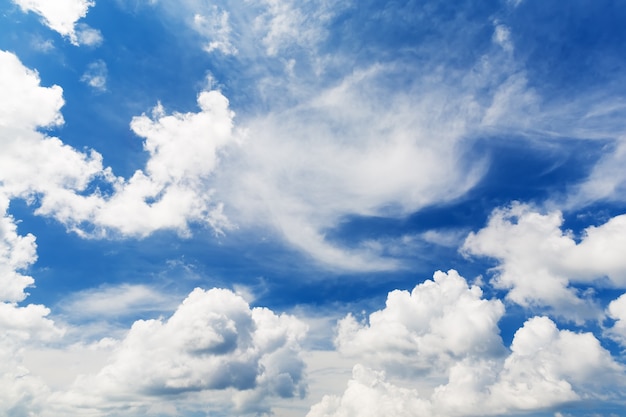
x=312 y=208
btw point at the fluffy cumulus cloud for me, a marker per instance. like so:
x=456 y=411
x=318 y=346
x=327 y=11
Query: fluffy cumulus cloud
x=543 y=367
x=214 y=343
x=19 y=81
x=21 y=326
x=617 y=311
x=440 y=322
x=62 y=15
x=538 y=261
x=213 y=348
x=34 y=165
x=174 y=188
x=170 y=192
x=549 y=366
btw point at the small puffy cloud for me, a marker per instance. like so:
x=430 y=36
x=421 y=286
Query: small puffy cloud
x=539 y=260
x=87 y=35
x=213 y=342
x=42 y=45
x=61 y=16
x=96 y=75
x=240 y=357
x=441 y=321
x=183 y=147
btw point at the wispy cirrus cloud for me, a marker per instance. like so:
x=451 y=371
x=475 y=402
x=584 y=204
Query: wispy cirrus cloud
x=124 y=300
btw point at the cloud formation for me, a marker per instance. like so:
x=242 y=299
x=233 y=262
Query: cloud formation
x=331 y=129
x=440 y=321
x=213 y=342
x=543 y=367
x=171 y=192
x=21 y=326
x=539 y=262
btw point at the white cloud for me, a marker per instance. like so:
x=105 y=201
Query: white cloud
x=20 y=326
x=16 y=254
x=606 y=181
x=352 y=150
x=32 y=165
x=617 y=311
x=513 y=105
x=18 y=81
x=286 y=22
x=502 y=36
x=214 y=342
x=242 y=358
x=88 y=36
x=172 y=191
x=42 y=45
x=549 y=366
x=61 y=16
x=426 y=330
x=448 y=238
x=96 y=75
x=116 y=301
x=216 y=27
x=369 y=395
x=538 y=260
x=439 y=322
x=326 y=152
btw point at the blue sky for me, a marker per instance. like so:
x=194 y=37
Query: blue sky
x=314 y=208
